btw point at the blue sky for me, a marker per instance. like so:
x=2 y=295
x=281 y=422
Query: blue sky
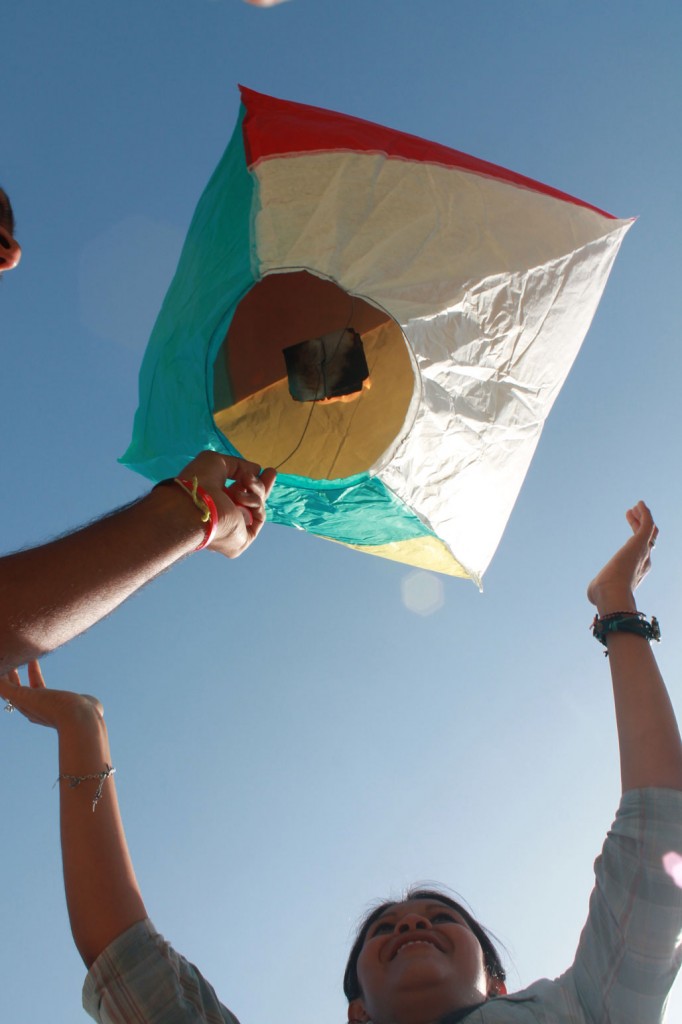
x=291 y=741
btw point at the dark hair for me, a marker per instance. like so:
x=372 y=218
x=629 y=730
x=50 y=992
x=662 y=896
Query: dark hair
x=491 y=958
x=6 y=212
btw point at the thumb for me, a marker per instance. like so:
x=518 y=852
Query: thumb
x=9 y=681
x=268 y=477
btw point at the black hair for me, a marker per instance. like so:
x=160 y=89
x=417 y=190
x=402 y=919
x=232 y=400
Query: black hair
x=6 y=212
x=491 y=958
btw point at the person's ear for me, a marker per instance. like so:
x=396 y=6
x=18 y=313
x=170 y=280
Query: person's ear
x=496 y=987
x=357 y=1014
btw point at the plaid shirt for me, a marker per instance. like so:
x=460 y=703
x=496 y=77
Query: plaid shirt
x=627 y=958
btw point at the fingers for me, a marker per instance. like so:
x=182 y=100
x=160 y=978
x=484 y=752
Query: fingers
x=644 y=537
x=267 y=478
x=266 y=482
x=242 y=518
x=9 y=684
x=10 y=688
x=248 y=506
x=251 y=498
x=250 y=493
x=251 y=487
x=236 y=469
x=11 y=681
x=257 y=486
x=35 y=676
x=641 y=520
x=216 y=467
x=244 y=473
x=617 y=581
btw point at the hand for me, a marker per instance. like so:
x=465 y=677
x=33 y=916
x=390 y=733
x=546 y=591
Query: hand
x=241 y=506
x=53 y=708
x=612 y=589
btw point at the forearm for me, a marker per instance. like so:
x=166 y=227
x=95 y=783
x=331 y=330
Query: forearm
x=648 y=735
x=50 y=594
x=102 y=893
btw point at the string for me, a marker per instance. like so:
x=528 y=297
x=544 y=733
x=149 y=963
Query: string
x=321 y=378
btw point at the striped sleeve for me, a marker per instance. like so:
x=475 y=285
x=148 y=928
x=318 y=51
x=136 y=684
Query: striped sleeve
x=140 y=979
x=631 y=947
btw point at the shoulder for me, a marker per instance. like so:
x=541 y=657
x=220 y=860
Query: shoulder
x=141 y=969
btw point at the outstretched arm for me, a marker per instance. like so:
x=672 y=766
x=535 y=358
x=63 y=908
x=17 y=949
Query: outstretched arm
x=102 y=893
x=50 y=594
x=648 y=735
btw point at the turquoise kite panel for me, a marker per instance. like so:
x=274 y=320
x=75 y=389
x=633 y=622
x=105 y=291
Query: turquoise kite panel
x=360 y=510
x=174 y=420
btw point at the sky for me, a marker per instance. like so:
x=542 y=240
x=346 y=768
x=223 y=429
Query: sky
x=291 y=740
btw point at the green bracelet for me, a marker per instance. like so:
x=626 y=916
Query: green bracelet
x=626 y=622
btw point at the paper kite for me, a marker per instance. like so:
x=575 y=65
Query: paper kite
x=385 y=320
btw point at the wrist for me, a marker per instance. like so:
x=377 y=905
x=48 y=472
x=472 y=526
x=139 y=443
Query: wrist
x=84 y=746
x=608 y=600
x=174 y=512
x=84 y=718
x=204 y=504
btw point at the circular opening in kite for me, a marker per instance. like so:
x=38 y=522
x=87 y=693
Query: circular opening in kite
x=311 y=379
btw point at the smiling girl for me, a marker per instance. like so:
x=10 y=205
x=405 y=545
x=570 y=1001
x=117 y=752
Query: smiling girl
x=425 y=959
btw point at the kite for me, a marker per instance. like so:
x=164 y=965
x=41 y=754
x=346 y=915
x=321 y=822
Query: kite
x=385 y=320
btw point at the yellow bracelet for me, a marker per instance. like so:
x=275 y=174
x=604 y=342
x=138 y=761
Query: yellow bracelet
x=203 y=501
x=192 y=489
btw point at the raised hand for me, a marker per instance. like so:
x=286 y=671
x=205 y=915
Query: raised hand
x=52 y=708
x=648 y=737
x=616 y=583
x=102 y=893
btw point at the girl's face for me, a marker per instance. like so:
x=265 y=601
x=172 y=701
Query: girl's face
x=420 y=960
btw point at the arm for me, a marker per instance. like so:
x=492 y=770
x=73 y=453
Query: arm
x=102 y=893
x=50 y=594
x=628 y=954
x=648 y=736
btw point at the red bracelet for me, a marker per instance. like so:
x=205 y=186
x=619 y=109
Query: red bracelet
x=206 y=505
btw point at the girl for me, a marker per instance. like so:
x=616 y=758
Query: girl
x=424 y=959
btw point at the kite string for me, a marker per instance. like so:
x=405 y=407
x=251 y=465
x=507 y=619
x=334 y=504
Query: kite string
x=300 y=440
x=321 y=379
x=352 y=416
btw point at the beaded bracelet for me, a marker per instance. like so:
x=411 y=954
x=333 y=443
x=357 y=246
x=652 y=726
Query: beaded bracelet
x=625 y=622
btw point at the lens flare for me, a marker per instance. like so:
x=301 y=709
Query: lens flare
x=672 y=864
